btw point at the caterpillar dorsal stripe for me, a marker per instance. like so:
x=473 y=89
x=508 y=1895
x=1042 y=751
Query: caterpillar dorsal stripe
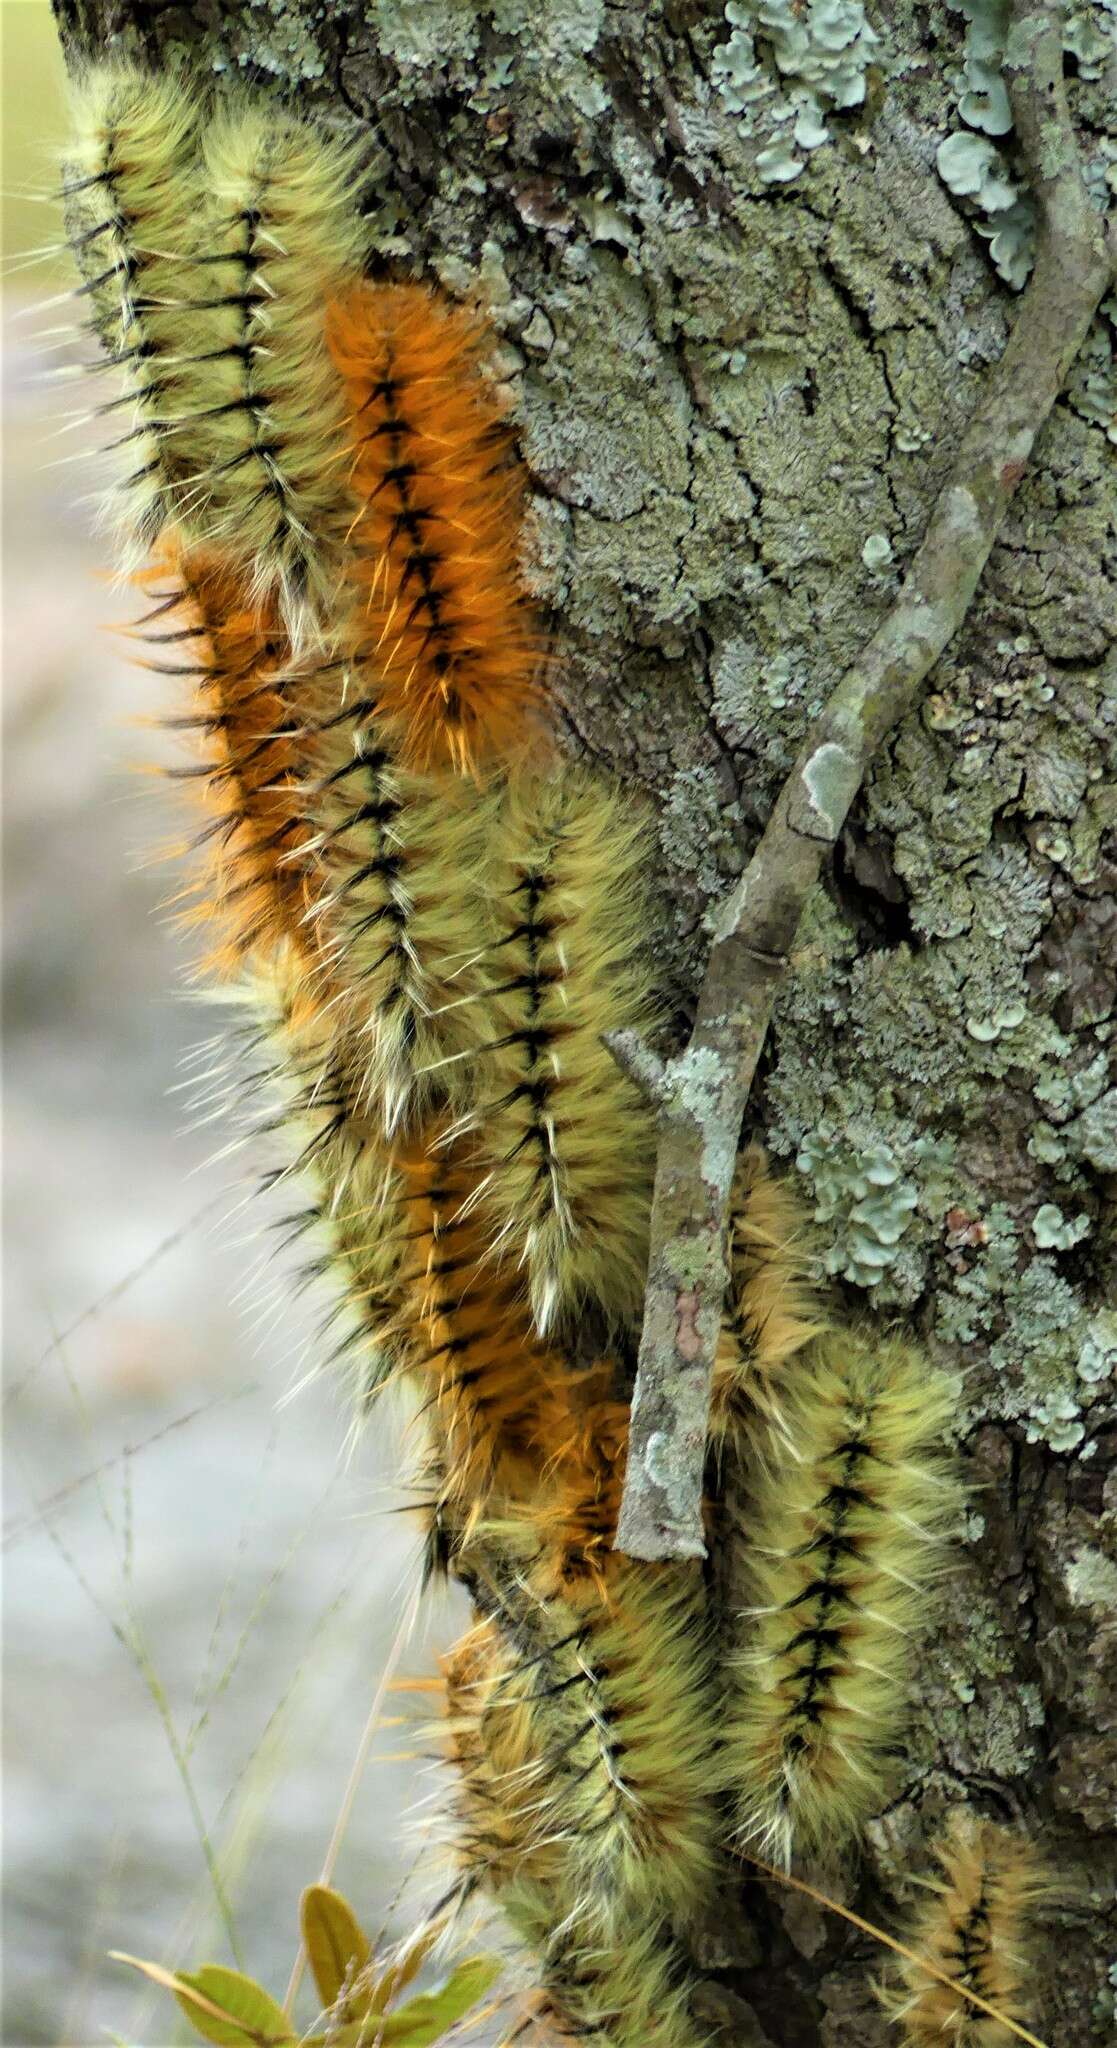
x=132 y=194
x=438 y=602
x=846 y=1514
x=565 y=1140
x=977 y=1927
x=269 y=423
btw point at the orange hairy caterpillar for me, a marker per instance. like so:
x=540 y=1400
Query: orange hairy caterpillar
x=847 y=1512
x=252 y=887
x=439 y=602
x=493 y=1383
x=975 y=1928
x=132 y=193
x=566 y=1141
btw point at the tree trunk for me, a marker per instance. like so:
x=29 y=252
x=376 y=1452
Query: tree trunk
x=739 y=387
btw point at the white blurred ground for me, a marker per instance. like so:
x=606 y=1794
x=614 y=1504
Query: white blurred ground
x=266 y=1581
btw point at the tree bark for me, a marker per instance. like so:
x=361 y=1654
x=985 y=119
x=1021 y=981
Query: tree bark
x=739 y=396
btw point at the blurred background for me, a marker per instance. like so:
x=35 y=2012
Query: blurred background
x=200 y=1594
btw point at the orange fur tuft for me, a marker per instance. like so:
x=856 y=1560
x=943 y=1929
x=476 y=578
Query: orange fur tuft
x=441 y=613
x=491 y=1378
x=251 y=888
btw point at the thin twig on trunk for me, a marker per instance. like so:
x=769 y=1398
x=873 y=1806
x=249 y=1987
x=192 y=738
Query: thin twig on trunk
x=700 y=1095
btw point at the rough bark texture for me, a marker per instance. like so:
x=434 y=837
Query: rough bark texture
x=739 y=397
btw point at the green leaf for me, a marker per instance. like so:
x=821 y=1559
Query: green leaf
x=335 y=1945
x=425 y=2019
x=231 y=2009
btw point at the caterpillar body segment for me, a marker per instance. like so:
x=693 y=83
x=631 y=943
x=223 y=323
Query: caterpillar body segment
x=576 y=1510
x=609 y=1676
x=565 y=1139
x=772 y=1309
x=349 y=1191
x=633 y=1752
x=500 y=1789
x=284 y=234
x=977 y=1927
x=132 y=193
x=236 y=658
x=846 y=1516
x=437 y=596
x=634 y=1986
x=399 y=919
x=493 y=1384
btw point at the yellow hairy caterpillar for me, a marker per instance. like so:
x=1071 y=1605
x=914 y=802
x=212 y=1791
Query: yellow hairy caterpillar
x=976 y=1928
x=607 y=1676
x=400 y=860
x=771 y=1307
x=308 y=1074
x=499 y=1782
x=237 y=658
x=844 y=1527
x=566 y=1140
x=283 y=236
x=132 y=194
x=438 y=595
x=221 y=239
x=633 y=1987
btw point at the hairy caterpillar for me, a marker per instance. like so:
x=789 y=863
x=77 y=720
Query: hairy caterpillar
x=438 y=597
x=607 y=1675
x=771 y=1309
x=132 y=191
x=302 y=1078
x=401 y=860
x=566 y=1140
x=319 y=837
x=209 y=247
x=283 y=236
x=492 y=1381
x=252 y=887
x=633 y=1987
x=975 y=1928
x=842 y=1540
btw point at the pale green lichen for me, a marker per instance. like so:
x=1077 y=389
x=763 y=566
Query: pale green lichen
x=1056 y=1421
x=795 y=65
x=1055 y=1232
x=1091 y=37
x=1092 y=385
x=1097 y=1353
x=877 y=551
x=862 y=1198
x=1094 y=1134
